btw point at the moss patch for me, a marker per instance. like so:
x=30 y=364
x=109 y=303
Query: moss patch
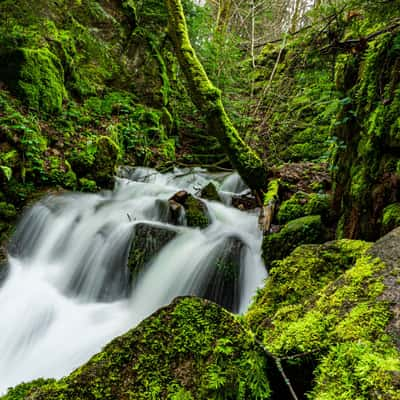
x=304 y=230
x=192 y=349
x=37 y=77
x=334 y=303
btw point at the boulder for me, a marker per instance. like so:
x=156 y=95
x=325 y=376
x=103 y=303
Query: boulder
x=196 y=212
x=223 y=285
x=305 y=230
x=147 y=241
x=332 y=313
x=302 y=204
x=209 y=192
x=36 y=76
x=191 y=349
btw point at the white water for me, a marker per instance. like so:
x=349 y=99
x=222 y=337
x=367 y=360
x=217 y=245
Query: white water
x=66 y=294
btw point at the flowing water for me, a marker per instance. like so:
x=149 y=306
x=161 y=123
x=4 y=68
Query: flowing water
x=68 y=288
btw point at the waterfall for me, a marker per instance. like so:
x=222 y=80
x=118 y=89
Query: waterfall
x=69 y=291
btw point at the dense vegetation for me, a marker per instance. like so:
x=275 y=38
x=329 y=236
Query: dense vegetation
x=303 y=101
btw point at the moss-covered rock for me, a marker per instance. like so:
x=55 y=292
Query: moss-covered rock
x=192 y=349
x=338 y=305
x=147 y=241
x=305 y=271
x=105 y=161
x=303 y=230
x=195 y=211
x=209 y=192
x=302 y=204
x=292 y=208
x=36 y=76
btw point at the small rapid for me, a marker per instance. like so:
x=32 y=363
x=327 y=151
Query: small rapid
x=69 y=291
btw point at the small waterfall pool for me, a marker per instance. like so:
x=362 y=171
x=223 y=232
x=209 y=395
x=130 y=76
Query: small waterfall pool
x=67 y=292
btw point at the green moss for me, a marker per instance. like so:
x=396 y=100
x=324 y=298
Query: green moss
x=60 y=173
x=7 y=211
x=303 y=204
x=308 y=269
x=201 y=352
x=208 y=99
x=328 y=300
x=317 y=204
x=303 y=230
x=23 y=390
x=390 y=217
x=272 y=195
x=37 y=77
x=105 y=161
x=196 y=213
x=293 y=208
x=209 y=192
x=365 y=171
x=357 y=371
x=87 y=185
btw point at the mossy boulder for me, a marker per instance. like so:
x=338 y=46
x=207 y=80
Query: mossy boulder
x=195 y=211
x=36 y=76
x=148 y=240
x=305 y=230
x=334 y=310
x=192 y=349
x=209 y=192
x=105 y=162
x=302 y=204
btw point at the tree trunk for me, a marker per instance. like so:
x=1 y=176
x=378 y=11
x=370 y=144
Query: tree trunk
x=208 y=100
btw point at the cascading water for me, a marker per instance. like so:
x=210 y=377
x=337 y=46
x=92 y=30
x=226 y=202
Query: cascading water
x=68 y=290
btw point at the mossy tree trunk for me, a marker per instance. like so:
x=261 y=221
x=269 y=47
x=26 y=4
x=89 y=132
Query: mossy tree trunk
x=208 y=100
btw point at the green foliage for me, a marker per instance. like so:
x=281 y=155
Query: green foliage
x=296 y=103
x=23 y=390
x=328 y=300
x=390 y=217
x=300 y=275
x=7 y=211
x=201 y=351
x=357 y=371
x=368 y=127
x=87 y=185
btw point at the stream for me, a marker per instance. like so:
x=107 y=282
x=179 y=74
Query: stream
x=69 y=292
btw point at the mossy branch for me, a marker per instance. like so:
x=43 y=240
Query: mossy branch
x=208 y=100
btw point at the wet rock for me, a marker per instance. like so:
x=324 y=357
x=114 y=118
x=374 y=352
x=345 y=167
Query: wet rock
x=147 y=241
x=223 y=285
x=245 y=201
x=209 y=192
x=177 y=353
x=3 y=264
x=196 y=212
